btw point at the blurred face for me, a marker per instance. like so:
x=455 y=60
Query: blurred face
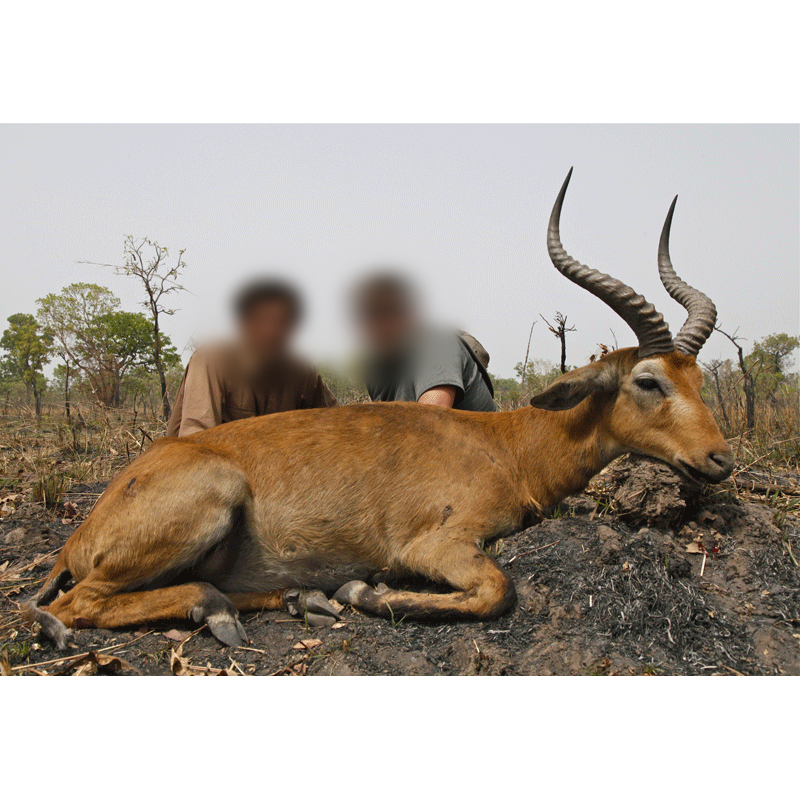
x=267 y=329
x=385 y=322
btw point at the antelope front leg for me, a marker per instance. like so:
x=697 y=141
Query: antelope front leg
x=485 y=591
x=311 y=605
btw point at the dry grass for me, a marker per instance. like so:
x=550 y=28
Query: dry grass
x=41 y=459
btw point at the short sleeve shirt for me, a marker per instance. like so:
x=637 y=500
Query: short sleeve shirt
x=433 y=358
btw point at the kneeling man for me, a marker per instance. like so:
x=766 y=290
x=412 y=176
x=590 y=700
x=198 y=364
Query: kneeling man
x=408 y=360
x=255 y=375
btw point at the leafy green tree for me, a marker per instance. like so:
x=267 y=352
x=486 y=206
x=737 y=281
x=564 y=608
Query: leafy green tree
x=507 y=391
x=773 y=351
x=763 y=378
x=28 y=349
x=771 y=359
x=127 y=342
x=536 y=375
x=8 y=381
x=103 y=343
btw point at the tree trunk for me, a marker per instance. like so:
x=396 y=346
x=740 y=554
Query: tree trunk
x=66 y=394
x=749 y=392
x=563 y=338
x=160 y=367
x=721 y=400
x=750 y=403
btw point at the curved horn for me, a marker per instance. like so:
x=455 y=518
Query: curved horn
x=649 y=326
x=702 y=312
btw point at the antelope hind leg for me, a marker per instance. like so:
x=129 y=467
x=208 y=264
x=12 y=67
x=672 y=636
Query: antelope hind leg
x=126 y=557
x=87 y=604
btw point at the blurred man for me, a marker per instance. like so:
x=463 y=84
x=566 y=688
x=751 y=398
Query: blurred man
x=258 y=374
x=407 y=360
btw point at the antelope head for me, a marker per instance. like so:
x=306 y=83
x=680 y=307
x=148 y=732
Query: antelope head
x=648 y=397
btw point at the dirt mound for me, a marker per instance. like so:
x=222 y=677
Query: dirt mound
x=718 y=593
x=646 y=492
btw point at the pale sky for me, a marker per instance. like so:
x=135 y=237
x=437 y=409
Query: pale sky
x=463 y=208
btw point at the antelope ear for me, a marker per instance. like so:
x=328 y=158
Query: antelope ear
x=570 y=390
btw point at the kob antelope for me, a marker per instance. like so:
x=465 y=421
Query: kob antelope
x=258 y=514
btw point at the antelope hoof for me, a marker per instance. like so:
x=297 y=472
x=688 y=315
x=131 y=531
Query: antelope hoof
x=227 y=629
x=359 y=594
x=221 y=618
x=312 y=606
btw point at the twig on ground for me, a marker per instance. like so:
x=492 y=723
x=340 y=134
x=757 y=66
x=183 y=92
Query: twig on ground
x=34 y=563
x=76 y=656
x=535 y=550
x=734 y=671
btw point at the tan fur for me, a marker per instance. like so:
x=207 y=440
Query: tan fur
x=321 y=497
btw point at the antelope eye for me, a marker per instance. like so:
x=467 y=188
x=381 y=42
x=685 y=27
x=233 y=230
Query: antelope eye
x=648 y=384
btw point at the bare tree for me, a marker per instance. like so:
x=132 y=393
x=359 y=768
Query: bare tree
x=748 y=383
x=713 y=368
x=560 y=330
x=524 y=381
x=159 y=280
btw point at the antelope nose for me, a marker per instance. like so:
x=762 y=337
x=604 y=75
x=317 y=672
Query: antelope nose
x=720 y=465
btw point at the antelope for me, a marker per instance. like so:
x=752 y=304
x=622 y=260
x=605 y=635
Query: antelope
x=276 y=512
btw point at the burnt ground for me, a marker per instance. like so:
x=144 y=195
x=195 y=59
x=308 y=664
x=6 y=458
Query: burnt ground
x=641 y=577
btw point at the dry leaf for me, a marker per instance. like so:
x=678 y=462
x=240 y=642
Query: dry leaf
x=626 y=567
x=5 y=666
x=338 y=625
x=4 y=566
x=175 y=635
x=337 y=606
x=69 y=510
x=102 y=663
x=693 y=547
x=307 y=644
x=177 y=663
x=9 y=503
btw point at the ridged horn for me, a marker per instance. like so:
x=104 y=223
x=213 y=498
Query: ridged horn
x=649 y=326
x=702 y=312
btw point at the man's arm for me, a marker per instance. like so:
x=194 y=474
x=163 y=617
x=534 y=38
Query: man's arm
x=203 y=394
x=439 y=370
x=442 y=396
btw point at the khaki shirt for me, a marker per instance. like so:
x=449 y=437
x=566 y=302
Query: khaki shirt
x=220 y=386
